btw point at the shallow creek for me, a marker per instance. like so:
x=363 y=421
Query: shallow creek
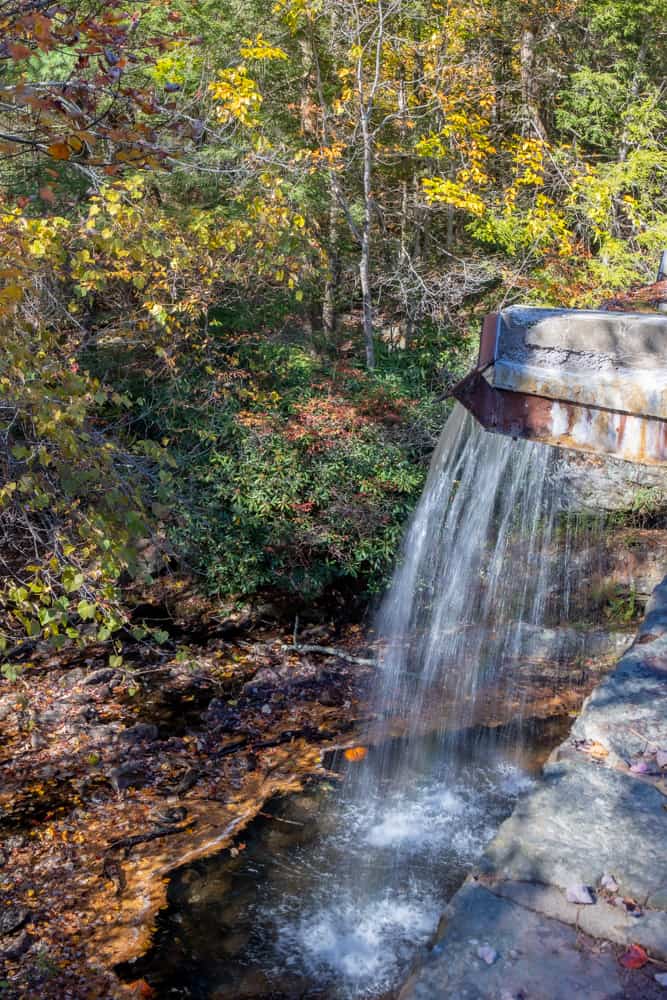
x=332 y=896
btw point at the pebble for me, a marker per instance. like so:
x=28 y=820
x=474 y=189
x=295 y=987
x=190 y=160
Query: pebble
x=140 y=731
x=13 y=918
x=580 y=894
x=661 y=979
x=609 y=882
x=487 y=954
x=266 y=710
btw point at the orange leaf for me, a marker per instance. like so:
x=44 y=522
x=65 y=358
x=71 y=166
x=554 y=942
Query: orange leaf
x=46 y=194
x=634 y=958
x=59 y=151
x=142 y=989
x=356 y=753
x=18 y=50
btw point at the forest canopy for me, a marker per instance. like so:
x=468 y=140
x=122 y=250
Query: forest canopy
x=244 y=252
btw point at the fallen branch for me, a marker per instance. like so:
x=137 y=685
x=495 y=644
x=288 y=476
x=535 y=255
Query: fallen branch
x=127 y=843
x=279 y=819
x=328 y=651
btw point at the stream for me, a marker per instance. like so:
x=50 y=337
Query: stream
x=338 y=892
x=335 y=897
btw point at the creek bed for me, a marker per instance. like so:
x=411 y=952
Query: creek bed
x=333 y=894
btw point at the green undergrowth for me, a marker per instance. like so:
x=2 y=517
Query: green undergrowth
x=293 y=468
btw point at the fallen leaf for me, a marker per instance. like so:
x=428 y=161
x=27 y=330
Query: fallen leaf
x=143 y=989
x=356 y=753
x=594 y=749
x=634 y=958
x=59 y=151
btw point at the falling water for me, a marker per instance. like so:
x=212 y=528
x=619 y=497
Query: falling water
x=486 y=564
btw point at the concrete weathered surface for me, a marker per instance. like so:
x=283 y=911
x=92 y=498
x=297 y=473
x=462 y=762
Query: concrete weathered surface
x=615 y=361
x=585 y=380
x=598 y=819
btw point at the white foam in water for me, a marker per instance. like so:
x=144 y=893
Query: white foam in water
x=420 y=821
x=360 y=943
x=408 y=848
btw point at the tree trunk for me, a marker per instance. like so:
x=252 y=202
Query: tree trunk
x=330 y=301
x=529 y=89
x=365 y=257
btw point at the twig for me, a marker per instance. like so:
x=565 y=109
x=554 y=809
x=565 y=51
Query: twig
x=329 y=651
x=142 y=838
x=279 y=819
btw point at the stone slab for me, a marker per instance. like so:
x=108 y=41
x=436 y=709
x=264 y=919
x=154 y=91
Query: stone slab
x=603 y=920
x=585 y=819
x=538 y=958
x=627 y=712
x=581 y=822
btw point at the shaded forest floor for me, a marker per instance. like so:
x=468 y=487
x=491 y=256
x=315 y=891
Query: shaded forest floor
x=113 y=778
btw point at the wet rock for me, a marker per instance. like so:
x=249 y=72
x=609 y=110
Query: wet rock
x=102 y=676
x=661 y=979
x=139 y=733
x=609 y=882
x=219 y=716
x=15 y=947
x=12 y=918
x=129 y=775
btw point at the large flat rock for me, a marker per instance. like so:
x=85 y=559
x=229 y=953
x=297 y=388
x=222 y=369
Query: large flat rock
x=584 y=821
x=590 y=816
x=538 y=958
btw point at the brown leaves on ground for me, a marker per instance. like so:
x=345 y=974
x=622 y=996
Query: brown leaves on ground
x=104 y=793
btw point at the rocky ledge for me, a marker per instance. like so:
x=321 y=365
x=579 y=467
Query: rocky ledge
x=570 y=898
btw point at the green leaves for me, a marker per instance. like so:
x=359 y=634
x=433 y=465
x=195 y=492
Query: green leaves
x=85 y=610
x=72 y=579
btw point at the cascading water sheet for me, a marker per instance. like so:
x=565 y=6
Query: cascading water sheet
x=484 y=564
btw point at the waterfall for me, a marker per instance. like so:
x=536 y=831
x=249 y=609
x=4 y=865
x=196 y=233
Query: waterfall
x=336 y=899
x=486 y=565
